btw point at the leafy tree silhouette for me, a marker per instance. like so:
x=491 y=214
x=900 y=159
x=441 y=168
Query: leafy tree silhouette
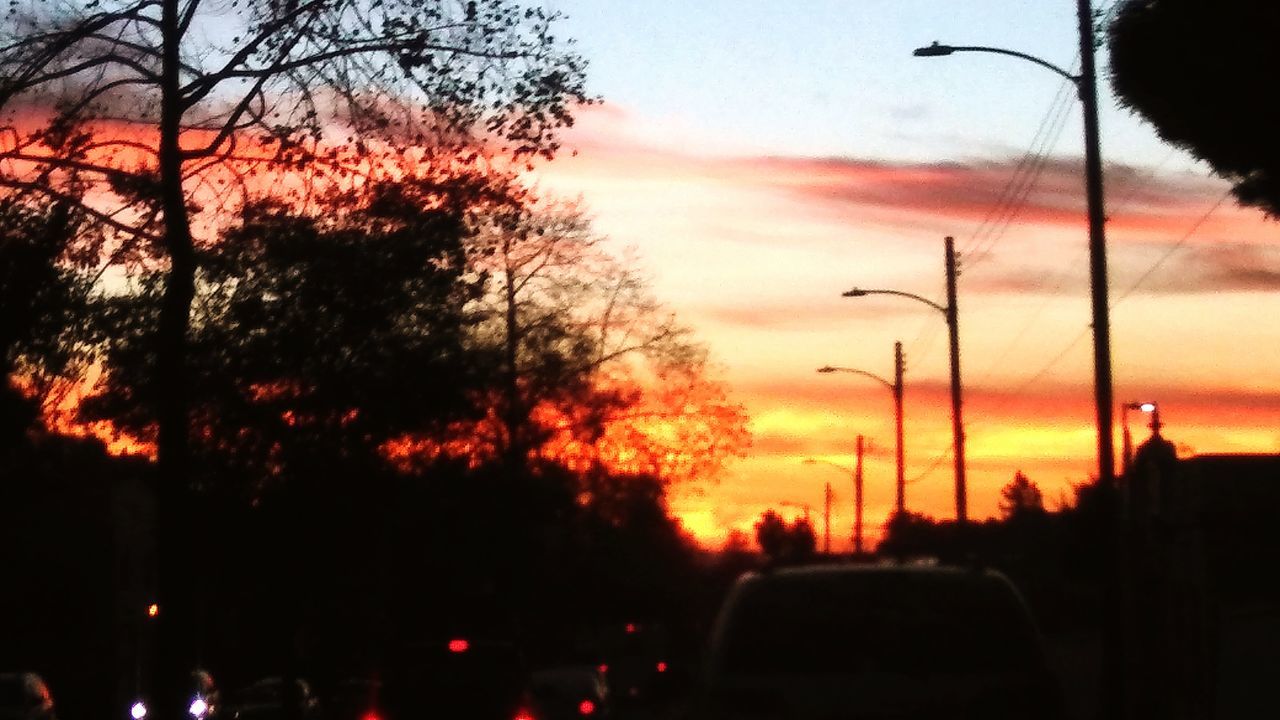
x=782 y=542
x=591 y=366
x=317 y=338
x=44 y=299
x=1193 y=69
x=1020 y=498
x=154 y=118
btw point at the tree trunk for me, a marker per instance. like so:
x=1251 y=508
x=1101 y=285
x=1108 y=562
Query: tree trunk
x=174 y=590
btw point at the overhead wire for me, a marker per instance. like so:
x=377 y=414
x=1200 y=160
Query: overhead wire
x=1009 y=205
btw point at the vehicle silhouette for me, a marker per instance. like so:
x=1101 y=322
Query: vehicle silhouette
x=893 y=641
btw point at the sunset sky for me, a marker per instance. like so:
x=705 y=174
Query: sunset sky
x=762 y=157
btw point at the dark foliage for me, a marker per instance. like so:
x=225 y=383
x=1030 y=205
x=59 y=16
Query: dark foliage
x=783 y=542
x=43 y=298
x=315 y=339
x=1201 y=72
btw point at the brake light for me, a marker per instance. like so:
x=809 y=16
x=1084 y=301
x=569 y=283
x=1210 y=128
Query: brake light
x=662 y=667
x=603 y=668
x=586 y=707
x=371 y=715
x=459 y=645
x=523 y=714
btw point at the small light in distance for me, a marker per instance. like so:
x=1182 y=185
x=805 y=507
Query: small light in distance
x=198 y=708
x=153 y=610
x=662 y=666
x=603 y=668
x=523 y=714
x=586 y=707
x=371 y=715
x=138 y=711
x=631 y=627
x=459 y=645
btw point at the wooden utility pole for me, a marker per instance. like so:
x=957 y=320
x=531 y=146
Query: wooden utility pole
x=857 y=502
x=957 y=421
x=826 y=521
x=899 y=366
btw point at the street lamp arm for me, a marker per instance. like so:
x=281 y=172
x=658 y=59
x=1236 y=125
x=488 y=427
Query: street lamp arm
x=820 y=461
x=857 y=292
x=864 y=373
x=936 y=50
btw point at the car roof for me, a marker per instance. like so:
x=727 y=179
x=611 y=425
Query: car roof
x=834 y=571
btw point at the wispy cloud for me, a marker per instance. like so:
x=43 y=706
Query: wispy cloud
x=756 y=250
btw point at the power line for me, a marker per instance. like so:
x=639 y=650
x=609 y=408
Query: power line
x=1172 y=249
x=1026 y=174
x=937 y=462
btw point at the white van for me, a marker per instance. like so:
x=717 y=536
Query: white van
x=838 y=642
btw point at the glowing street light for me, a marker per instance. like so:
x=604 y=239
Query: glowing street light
x=1151 y=409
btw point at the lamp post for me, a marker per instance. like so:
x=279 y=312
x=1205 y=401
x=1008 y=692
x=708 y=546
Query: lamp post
x=1114 y=652
x=1127 y=452
x=857 y=498
x=895 y=387
x=1086 y=87
x=952 y=318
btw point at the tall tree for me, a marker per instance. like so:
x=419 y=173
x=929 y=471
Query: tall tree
x=1198 y=71
x=1021 y=498
x=161 y=109
x=593 y=368
x=160 y=106
x=317 y=337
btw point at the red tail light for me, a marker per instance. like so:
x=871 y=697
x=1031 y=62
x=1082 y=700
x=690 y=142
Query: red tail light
x=662 y=667
x=603 y=668
x=371 y=715
x=459 y=645
x=586 y=707
x=523 y=714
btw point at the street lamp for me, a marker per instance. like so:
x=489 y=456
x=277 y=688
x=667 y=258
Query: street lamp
x=895 y=387
x=857 y=499
x=952 y=317
x=1086 y=87
x=1146 y=407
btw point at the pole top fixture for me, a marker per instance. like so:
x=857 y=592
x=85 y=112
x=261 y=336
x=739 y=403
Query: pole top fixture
x=934 y=50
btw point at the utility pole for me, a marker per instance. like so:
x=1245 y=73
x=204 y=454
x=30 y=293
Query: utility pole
x=826 y=522
x=957 y=423
x=1114 y=652
x=1088 y=89
x=899 y=366
x=857 y=495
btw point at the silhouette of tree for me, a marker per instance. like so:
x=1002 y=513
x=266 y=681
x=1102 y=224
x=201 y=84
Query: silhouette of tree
x=736 y=543
x=1193 y=68
x=43 y=298
x=771 y=534
x=781 y=542
x=162 y=123
x=159 y=118
x=316 y=338
x=1020 y=498
x=592 y=367
x=804 y=542
x=909 y=533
